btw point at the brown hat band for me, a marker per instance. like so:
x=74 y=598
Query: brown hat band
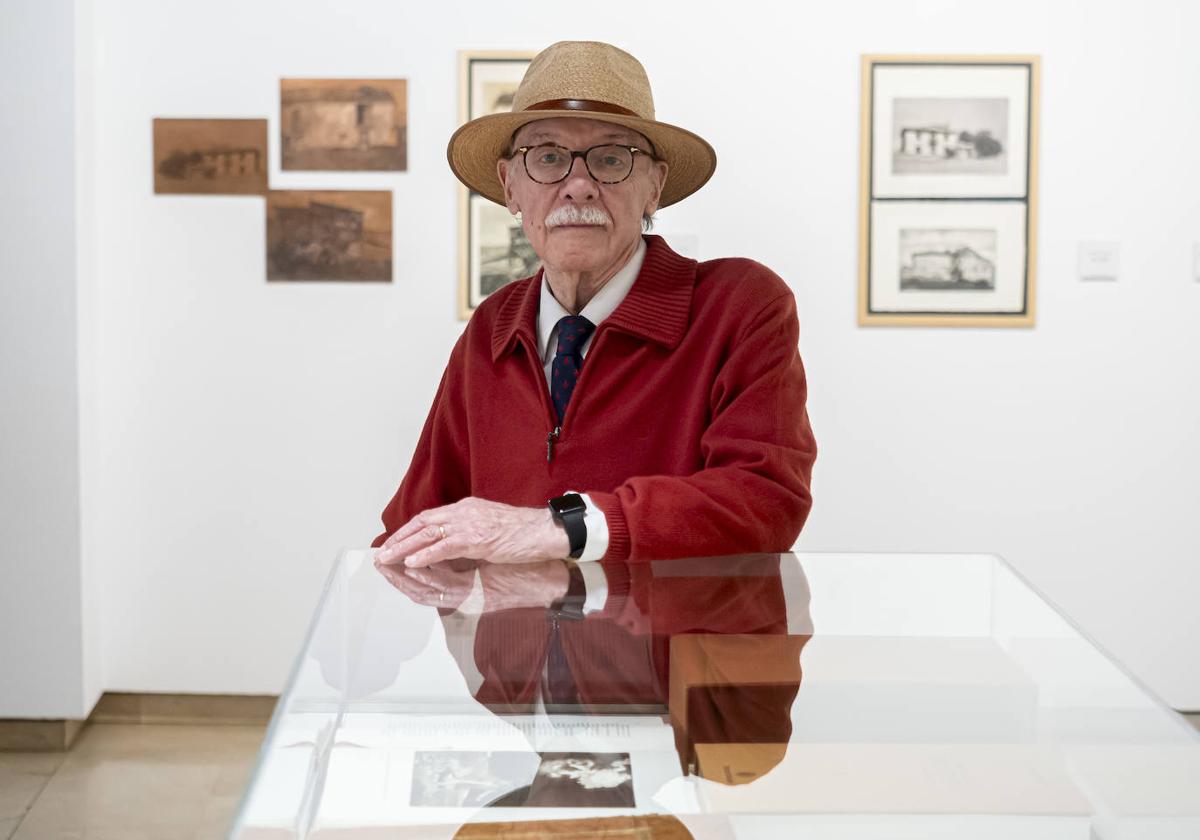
x=580 y=105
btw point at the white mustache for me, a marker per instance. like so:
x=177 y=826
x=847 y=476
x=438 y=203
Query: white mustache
x=570 y=214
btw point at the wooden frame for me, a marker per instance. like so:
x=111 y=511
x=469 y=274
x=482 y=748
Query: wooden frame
x=469 y=298
x=959 y=183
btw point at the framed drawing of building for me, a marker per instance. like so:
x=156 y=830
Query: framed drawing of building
x=948 y=190
x=492 y=250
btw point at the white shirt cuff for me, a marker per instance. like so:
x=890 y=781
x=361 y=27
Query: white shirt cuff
x=595 y=584
x=597 y=531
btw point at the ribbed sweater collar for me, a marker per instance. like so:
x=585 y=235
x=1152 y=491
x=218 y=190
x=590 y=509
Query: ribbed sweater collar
x=657 y=308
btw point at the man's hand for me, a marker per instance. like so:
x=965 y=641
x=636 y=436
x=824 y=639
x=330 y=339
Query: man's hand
x=479 y=530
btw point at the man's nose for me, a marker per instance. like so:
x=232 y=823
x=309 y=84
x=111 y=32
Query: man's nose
x=579 y=185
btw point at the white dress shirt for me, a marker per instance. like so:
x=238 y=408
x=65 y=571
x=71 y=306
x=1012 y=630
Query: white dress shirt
x=550 y=312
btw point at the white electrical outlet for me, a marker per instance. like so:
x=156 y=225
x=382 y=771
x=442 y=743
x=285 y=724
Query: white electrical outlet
x=1099 y=261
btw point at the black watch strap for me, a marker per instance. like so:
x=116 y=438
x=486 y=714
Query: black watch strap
x=570 y=606
x=569 y=511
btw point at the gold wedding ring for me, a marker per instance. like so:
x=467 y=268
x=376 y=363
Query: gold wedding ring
x=441 y=532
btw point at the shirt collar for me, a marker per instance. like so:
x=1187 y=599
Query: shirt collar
x=602 y=304
x=656 y=308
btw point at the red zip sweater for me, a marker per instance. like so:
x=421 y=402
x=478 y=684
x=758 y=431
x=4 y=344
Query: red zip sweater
x=687 y=425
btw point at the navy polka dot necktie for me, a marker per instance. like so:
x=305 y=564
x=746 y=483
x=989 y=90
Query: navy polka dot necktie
x=573 y=332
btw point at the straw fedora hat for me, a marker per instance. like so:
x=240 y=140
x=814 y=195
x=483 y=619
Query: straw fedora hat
x=586 y=80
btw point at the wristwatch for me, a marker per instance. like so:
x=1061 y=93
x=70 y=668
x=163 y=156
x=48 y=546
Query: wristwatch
x=570 y=605
x=568 y=510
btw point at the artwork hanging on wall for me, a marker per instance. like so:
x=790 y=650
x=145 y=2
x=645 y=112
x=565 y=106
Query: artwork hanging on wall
x=343 y=124
x=329 y=235
x=210 y=157
x=493 y=249
x=948 y=190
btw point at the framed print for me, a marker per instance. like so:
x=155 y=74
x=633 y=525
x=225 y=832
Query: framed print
x=210 y=157
x=315 y=235
x=343 y=124
x=948 y=257
x=952 y=131
x=493 y=249
x=948 y=189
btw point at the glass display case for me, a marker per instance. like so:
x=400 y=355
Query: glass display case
x=760 y=696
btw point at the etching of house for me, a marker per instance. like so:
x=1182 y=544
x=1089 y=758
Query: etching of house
x=935 y=142
x=359 y=117
x=211 y=164
x=961 y=266
x=320 y=233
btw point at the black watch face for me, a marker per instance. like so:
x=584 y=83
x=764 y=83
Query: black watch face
x=570 y=503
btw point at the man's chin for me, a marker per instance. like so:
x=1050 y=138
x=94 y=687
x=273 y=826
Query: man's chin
x=584 y=257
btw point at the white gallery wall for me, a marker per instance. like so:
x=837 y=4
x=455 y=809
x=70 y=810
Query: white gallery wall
x=241 y=433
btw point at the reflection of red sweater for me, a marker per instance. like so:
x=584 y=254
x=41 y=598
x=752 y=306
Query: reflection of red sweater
x=621 y=655
x=687 y=426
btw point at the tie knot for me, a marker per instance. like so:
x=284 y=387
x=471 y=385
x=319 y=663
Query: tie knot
x=573 y=332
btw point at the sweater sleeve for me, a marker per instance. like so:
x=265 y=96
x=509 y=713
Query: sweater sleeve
x=440 y=470
x=752 y=492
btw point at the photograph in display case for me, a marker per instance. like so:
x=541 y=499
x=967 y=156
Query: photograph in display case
x=509 y=779
x=210 y=157
x=493 y=249
x=948 y=189
x=329 y=235
x=343 y=124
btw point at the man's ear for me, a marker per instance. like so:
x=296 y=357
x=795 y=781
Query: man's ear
x=658 y=178
x=502 y=174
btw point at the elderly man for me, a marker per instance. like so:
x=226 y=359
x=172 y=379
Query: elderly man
x=624 y=402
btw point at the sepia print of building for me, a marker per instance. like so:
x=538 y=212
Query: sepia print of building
x=210 y=156
x=212 y=164
x=351 y=126
x=325 y=241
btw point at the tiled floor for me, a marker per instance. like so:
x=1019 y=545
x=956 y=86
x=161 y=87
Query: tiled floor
x=134 y=782
x=130 y=782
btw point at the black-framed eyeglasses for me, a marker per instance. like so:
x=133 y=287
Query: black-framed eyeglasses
x=609 y=163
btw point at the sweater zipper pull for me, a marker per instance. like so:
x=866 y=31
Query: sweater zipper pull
x=550 y=439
